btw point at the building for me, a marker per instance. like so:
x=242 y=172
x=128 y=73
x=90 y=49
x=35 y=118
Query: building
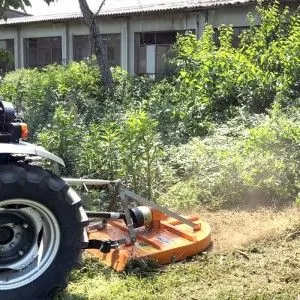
x=137 y=34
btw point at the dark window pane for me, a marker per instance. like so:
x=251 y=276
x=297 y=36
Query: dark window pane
x=40 y=52
x=112 y=46
x=56 y=42
x=166 y=37
x=81 y=47
x=147 y=38
x=161 y=59
x=237 y=31
x=7 y=62
x=141 y=60
x=10 y=45
x=56 y=56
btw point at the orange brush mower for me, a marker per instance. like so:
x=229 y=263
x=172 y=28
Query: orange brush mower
x=147 y=231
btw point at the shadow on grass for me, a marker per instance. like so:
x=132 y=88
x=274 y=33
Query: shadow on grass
x=90 y=268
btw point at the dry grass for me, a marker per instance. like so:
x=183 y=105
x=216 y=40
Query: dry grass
x=231 y=229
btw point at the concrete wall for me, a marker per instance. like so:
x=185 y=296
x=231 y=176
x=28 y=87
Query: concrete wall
x=126 y=27
x=235 y=15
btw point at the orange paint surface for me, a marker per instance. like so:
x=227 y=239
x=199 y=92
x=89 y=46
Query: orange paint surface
x=170 y=241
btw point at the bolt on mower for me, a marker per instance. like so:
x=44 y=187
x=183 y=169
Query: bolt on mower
x=44 y=229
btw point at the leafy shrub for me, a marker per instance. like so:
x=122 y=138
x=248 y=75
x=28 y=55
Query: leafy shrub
x=33 y=94
x=213 y=81
x=260 y=166
x=37 y=93
x=6 y=61
x=63 y=137
x=130 y=149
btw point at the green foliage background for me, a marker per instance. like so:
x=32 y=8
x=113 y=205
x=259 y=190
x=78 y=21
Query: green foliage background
x=224 y=130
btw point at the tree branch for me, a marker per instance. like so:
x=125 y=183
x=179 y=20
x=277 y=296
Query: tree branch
x=100 y=7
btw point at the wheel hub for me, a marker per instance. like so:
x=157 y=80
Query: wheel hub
x=6 y=235
x=17 y=235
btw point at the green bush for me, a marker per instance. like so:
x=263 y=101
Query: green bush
x=259 y=166
x=213 y=81
x=6 y=61
x=130 y=149
x=63 y=137
x=37 y=93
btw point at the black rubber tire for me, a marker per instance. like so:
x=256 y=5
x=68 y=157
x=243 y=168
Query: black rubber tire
x=37 y=184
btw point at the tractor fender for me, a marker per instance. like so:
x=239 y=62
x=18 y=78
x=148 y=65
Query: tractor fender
x=30 y=149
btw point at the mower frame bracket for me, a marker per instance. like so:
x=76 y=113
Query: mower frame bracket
x=143 y=201
x=126 y=193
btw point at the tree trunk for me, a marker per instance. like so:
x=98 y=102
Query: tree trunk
x=97 y=43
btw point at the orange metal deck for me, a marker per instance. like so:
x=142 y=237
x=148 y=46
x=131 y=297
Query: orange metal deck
x=172 y=241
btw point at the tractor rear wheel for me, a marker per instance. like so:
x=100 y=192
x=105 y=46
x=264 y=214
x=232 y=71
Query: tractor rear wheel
x=42 y=232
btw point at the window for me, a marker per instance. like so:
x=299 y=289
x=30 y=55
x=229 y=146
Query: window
x=81 y=47
x=40 y=52
x=237 y=31
x=112 y=42
x=7 y=60
x=153 y=51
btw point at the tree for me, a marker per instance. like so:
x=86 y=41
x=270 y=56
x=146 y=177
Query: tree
x=97 y=43
x=90 y=19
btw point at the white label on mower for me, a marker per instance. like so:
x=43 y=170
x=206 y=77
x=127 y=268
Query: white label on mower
x=164 y=240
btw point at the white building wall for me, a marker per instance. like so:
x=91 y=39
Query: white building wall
x=127 y=27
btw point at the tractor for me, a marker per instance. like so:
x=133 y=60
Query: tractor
x=44 y=229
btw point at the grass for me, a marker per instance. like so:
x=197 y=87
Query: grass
x=268 y=268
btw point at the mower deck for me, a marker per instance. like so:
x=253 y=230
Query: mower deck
x=146 y=232
x=172 y=241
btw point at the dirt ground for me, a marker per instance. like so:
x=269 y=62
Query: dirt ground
x=234 y=229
